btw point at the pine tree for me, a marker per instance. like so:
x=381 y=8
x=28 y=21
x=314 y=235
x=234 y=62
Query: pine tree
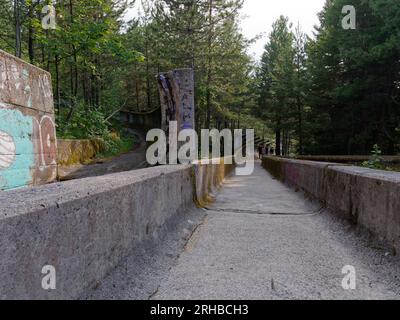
x=277 y=83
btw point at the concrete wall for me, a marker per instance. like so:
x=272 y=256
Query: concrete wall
x=28 y=146
x=369 y=198
x=84 y=228
x=72 y=152
x=208 y=179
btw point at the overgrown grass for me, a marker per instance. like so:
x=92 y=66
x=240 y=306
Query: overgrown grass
x=91 y=123
x=117 y=146
x=377 y=161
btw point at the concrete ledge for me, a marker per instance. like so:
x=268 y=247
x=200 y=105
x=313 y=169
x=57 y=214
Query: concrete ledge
x=368 y=198
x=85 y=228
x=349 y=159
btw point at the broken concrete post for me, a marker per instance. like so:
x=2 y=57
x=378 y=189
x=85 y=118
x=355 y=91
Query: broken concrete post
x=177 y=98
x=28 y=145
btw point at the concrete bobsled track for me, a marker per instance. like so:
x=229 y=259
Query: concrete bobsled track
x=259 y=239
x=171 y=233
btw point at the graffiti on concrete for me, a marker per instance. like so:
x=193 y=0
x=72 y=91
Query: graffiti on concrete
x=16 y=167
x=186 y=98
x=28 y=145
x=292 y=174
x=167 y=101
x=177 y=98
x=46 y=141
x=7 y=150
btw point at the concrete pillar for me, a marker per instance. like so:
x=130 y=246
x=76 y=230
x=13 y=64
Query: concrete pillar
x=177 y=98
x=28 y=144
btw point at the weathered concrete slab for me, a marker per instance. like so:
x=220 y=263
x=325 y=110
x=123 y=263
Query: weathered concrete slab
x=25 y=85
x=369 y=198
x=28 y=145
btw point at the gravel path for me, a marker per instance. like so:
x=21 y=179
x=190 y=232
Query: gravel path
x=259 y=240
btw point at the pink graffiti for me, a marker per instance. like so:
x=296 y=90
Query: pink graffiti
x=45 y=141
x=292 y=174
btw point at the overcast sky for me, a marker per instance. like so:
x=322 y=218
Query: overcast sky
x=258 y=16
x=262 y=13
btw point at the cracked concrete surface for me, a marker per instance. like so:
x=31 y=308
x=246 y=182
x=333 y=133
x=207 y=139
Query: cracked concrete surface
x=232 y=251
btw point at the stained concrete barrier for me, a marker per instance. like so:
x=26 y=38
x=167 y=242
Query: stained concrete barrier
x=369 y=198
x=85 y=228
x=208 y=179
x=28 y=145
x=71 y=152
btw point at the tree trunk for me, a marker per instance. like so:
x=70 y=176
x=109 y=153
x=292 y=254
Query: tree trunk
x=31 y=48
x=148 y=84
x=278 y=137
x=300 y=125
x=17 y=22
x=58 y=93
x=209 y=71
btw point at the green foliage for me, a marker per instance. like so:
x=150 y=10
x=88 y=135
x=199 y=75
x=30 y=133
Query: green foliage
x=86 y=55
x=85 y=122
x=203 y=35
x=354 y=76
x=280 y=84
x=91 y=123
x=100 y=64
x=376 y=161
x=340 y=93
x=116 y=145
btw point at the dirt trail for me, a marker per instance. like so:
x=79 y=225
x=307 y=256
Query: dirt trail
x=136 y=159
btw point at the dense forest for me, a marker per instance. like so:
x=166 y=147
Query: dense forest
x=334 y=92
x=100 y=63
x=339 y=92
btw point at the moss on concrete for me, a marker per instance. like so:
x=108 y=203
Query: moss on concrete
x=73 y=152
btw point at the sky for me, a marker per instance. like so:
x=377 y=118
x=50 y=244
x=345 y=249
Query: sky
x=258 y=16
